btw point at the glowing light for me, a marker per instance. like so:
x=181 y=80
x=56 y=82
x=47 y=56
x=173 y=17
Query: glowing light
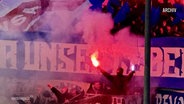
x=132 y=67
x=94 y=60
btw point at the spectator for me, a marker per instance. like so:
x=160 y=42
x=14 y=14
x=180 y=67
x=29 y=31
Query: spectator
x=44 y=97
x=75 y=96
x=95 y=88
x=62 y=95
x=119 y=81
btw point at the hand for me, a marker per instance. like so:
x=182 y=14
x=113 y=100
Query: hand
x=49 y=86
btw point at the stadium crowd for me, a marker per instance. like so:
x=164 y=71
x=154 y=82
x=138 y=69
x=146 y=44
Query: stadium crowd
x=131 y=13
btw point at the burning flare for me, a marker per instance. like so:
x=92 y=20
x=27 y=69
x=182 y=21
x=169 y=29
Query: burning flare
x=94 y=60
x=132 y=67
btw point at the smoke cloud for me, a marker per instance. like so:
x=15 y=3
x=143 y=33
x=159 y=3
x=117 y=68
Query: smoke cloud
x=72 y=22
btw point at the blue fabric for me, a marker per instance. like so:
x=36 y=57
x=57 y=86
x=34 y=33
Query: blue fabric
x=96 y=4
x=115 y=3
x=111 y=4
x=167 y=42
x=122 y=13
x=179 y=15
x=109 y=8
x=155 y=16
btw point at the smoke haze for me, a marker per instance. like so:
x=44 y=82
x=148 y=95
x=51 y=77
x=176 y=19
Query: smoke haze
x=73 y=22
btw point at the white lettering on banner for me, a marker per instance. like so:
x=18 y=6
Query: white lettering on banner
x=181 y=100
x=31 y=10
x=8 y=50
x=165 y=101
x=66 y=63
x=47 y=56
x=18 y=20
x=132 y=99
x=158 y=99
x=170 y=54
x=140 y=70
x=31 y=60
x=81 y=58
x=168 y=99
x=31 y=23
x=65 y=57
x=21 y=19
x=156 y=61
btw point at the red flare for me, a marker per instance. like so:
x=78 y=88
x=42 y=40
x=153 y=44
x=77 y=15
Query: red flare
x=94 y=60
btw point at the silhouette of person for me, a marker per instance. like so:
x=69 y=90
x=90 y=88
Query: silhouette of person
x=119 y=81
x=61 y=95
x=95 y=88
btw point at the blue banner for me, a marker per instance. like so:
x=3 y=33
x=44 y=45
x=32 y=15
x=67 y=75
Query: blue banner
x=169 y=96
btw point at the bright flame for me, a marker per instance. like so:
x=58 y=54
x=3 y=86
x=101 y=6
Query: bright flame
x=132 y=67
x=94 y=60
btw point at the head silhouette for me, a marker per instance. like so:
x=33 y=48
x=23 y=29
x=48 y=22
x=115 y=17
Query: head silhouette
x=119 y=71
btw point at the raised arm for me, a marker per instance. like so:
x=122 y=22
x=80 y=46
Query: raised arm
x=54 y=90
x=130 y=75
x=107 y=75
x=59 y=95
